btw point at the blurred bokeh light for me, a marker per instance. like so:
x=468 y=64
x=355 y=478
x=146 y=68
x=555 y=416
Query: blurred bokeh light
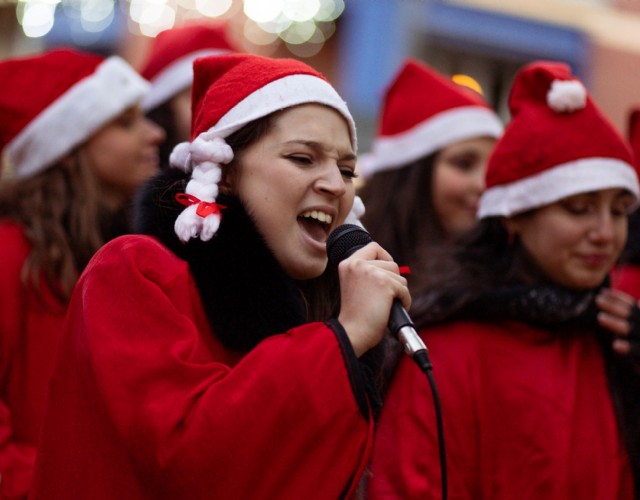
x=301 y=25
x=468 y=81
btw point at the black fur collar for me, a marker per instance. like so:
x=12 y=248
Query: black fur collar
x=246 y=294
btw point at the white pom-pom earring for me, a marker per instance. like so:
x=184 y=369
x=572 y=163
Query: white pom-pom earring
x=201 y=217
x=357 y=211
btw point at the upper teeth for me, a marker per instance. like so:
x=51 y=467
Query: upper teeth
x=321 y=216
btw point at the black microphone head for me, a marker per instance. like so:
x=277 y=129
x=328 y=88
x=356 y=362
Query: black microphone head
x=345 y=240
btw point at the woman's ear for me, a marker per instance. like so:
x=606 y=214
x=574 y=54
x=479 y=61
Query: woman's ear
x=229 y=180
x=225 y=186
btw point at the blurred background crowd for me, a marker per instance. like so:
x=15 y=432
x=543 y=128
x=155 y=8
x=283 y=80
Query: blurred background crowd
x=360 y=44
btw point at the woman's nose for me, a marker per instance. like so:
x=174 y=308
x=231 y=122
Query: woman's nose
x=331 y=181
x=603 y=228
x=156 y=134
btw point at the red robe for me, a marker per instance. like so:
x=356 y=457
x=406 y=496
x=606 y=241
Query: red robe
x=527 y=415
x=146 y=403
x=29 y=333
x=627 y=279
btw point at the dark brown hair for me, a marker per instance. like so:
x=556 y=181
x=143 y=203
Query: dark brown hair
x=58 y=210
x=479 y=260
x=400 y=214
x=164 y=117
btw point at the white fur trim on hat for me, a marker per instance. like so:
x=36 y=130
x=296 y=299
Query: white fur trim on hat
x=176 y=77
x=442 y=129
x=75 y=116
x=554 y=184
x=281 y=94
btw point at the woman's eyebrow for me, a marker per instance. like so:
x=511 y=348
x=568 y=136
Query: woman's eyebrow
x=318 y=146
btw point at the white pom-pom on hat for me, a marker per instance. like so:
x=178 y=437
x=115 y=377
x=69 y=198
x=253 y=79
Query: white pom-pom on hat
x=566 y=96
x=546 y=155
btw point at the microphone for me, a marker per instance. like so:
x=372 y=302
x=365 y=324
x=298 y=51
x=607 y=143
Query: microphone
x=344 y=241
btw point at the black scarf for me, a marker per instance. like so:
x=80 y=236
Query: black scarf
x=246 y=294
x=558 y=309
x=543 y=306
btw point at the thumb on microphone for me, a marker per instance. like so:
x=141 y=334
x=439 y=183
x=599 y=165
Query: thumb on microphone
x=348 y=239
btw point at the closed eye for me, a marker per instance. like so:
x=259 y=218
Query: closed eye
x=348 y=173
x=465 y=164
x=303 y=160
x=579 y=208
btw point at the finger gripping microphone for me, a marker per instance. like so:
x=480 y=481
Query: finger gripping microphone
x=343 y=242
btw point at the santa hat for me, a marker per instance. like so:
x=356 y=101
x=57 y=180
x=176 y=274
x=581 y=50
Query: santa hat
x=557 y=144
x=169 y=66
x=633 y=133
x=230 y=91
x=423 y=112
x=52 y=102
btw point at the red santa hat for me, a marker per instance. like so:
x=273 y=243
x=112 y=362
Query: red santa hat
x=230 y=91
x=423 y=112
x=52 y=102
x=557 y=144
x=169 y=66
x=633 y=133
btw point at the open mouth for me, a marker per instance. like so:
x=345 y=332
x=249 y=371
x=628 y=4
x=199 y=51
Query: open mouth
x=316 y=224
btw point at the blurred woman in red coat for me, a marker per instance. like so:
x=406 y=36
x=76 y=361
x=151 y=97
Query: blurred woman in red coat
x=626 y=275
x=425 y=173
x=75 y=148
x=530 y=349
x=169 y=68
x=208 y=358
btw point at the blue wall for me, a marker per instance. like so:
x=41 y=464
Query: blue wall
x=376 y=35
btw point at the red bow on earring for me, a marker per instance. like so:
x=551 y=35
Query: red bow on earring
x=204 y=207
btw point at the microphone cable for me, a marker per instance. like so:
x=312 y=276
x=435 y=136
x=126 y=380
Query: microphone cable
x=344 y=241
x=424 y=363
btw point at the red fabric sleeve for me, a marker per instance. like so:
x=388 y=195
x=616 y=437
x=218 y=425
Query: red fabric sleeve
x=17 y=457
x=149 y=396
x=527 y=414
x=16 y=460
x=406 y=460
x=627 y=279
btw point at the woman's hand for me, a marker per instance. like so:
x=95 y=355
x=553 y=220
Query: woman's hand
x=369 y=282
x=619 y=313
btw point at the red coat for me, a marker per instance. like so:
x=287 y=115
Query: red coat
x=29 y=333
x=627 y=279
x=527 y=415
x=146 y=403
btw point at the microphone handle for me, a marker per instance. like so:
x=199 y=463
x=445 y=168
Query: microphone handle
x=402 y=327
